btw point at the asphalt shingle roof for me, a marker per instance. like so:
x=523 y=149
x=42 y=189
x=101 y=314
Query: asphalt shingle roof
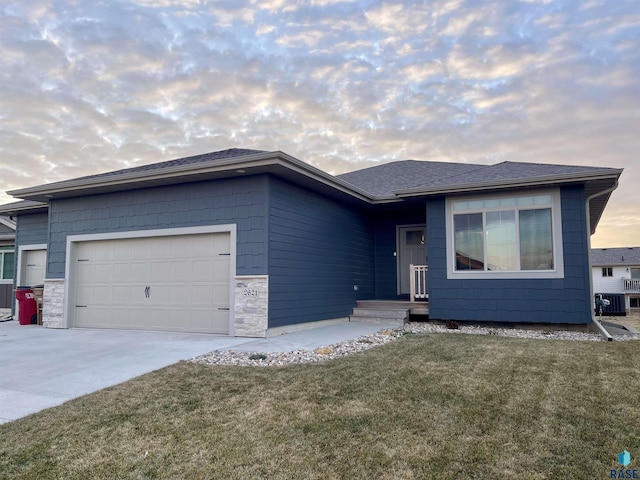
x=615 y=256
x=386 y=179
x=205 y=157
x=392 y=177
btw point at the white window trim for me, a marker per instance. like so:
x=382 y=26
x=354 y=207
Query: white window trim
x=6 y=281
x=556 y=222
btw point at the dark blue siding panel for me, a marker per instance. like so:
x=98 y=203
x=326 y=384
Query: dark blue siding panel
x=386 y=270
x=239 y=201
x=564 y=300
x=32 y=229
x=318 y=250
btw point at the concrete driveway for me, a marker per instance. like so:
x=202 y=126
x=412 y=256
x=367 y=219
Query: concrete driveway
x=42 y=368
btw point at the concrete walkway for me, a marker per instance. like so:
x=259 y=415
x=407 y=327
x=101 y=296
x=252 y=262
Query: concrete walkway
x=42 y=368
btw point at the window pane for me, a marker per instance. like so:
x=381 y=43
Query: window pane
x=7 y=267
x=460 y=205
x=468 y=241
x=414 y=237
x=501 y=241
x=635 y=273
x=536 y=240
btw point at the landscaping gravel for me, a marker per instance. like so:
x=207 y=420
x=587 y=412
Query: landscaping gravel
x=337 y=350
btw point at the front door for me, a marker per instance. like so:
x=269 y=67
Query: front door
x=412 y=250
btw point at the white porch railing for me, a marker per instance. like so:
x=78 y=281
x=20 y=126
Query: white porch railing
x=631 y=285
x=418 y=281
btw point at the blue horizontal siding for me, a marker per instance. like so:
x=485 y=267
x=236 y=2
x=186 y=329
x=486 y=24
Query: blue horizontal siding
x=318 y=250
x=240 y=201
x=563 y=300
x=32 y=229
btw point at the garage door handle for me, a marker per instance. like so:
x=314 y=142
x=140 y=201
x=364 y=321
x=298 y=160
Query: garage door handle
x=81 y=306
x=223 y=308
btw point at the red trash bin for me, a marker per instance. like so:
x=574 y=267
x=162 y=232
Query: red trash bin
x=28 y=309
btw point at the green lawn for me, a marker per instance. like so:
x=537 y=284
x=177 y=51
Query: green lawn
x=429 y=406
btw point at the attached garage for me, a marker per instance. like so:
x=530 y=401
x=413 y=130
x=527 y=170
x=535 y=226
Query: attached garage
x=159 y=281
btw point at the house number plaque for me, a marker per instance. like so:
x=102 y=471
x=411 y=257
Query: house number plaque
x=249 y=292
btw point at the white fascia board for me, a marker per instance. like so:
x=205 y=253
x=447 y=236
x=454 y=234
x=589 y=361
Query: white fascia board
x=8 y=223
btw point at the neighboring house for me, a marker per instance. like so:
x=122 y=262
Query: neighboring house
x=250 y=243
x=7 y=263
x=616 y=271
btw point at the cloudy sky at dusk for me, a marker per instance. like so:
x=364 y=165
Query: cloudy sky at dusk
x=88 y=86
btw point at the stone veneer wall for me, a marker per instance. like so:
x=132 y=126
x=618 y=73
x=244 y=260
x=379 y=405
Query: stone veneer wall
x=251 y=305
x=53 y=303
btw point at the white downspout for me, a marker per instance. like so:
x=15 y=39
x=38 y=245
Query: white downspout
x=604 y=332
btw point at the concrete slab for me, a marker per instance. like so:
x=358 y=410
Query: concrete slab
x=42 y=368
x=617 y=329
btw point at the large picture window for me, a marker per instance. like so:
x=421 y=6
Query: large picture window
x=509 y=234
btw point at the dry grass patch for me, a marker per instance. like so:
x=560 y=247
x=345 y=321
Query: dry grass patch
x=433 y=406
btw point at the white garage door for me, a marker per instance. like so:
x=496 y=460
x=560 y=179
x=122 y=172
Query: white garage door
x=35 y=262
x=175 y=283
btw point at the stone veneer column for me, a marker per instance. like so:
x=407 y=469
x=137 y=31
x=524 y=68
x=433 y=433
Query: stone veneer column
x=53 y=303
x=251 y=305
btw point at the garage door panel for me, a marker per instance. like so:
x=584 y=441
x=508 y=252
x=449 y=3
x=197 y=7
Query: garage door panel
x=102 y=295
x=202 y=295
x=221 y=296
x=203 y=271
x=103 y=273
x=160 y=271
x=218 y=273
x=174 y=283
x=181 y=294
x=140 y=250
x=35 y=264
x=84 y=295
x=121 y=294
x=140 y=271
x=121 y=272
x=160 y=247
x=85 y=272
x=180 y=271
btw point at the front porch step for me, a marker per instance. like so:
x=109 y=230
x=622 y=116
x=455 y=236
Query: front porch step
x=415 y=308
x=380 y=315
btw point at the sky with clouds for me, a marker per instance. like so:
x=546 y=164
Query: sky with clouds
x=89 y=86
